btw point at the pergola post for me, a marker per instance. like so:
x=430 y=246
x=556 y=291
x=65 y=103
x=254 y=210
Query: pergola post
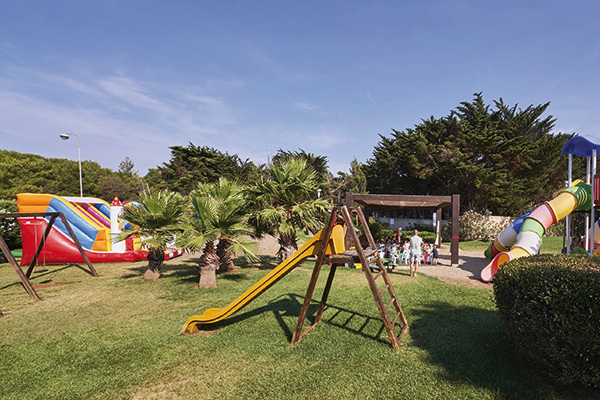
x=455 y=230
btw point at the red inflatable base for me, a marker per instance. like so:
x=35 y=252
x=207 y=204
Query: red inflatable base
x=60 y=249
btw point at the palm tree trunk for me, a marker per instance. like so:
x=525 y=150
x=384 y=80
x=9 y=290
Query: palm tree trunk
x=225 y=255
x=208 y=266
x=156 y=257
x=287 y=246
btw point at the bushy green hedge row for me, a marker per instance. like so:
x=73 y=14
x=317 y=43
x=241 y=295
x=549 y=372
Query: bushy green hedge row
x=550 y=308
x=428 y=237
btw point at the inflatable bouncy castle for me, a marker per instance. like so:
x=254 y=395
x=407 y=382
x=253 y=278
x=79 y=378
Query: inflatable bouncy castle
x=94 y=222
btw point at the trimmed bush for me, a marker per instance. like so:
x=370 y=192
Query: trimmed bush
x=378 y=231
x=428 y=237
x=549 y=306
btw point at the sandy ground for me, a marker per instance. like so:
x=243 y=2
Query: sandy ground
x=470 y=264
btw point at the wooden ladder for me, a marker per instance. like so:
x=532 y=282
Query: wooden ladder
x=372 y=273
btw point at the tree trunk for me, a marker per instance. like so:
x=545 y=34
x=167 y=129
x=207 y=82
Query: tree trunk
x=225 y=256
x=155 y=261
x=208 y=267
x=287 y=246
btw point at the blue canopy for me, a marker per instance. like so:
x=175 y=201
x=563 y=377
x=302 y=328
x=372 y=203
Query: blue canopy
x=580 y=146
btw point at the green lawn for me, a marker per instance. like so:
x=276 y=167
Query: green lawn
x=550 y=244
x=118 y=337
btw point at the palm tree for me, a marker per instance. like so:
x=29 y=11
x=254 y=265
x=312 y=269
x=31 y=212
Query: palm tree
x=156 y=219
x=288 y=202
x=219 y=216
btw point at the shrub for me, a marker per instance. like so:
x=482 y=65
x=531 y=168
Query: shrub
x=428 y=237
x=9 y=227
x=378 y=231
x=549 y=306
x=474 y=226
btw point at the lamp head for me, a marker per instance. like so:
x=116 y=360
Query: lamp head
x=64 y=136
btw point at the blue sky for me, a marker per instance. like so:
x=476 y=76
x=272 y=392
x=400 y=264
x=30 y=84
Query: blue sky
x=132 y=78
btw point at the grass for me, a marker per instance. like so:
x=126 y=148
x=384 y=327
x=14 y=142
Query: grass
x=118 y=337
x=550 y=244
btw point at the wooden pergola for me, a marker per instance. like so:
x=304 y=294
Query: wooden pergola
x=436 y=203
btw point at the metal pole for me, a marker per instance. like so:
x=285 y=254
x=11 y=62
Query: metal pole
x=568 y=217
x=593 y=218
x=65 y=136
x=587 y=215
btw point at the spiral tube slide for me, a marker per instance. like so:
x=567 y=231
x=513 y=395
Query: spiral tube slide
x=534 y=225
x=507 y=238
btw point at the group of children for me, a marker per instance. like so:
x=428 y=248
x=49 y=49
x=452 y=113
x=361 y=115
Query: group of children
x=392 y=250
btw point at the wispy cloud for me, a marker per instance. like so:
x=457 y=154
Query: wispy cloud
x=306 y=106
x=118 y=112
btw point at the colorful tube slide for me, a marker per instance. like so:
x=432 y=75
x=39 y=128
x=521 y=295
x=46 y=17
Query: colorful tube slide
x=523 y=237
x=89 y=219
x=310 y=248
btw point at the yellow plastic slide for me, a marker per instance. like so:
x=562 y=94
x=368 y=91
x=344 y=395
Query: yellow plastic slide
x=310 y=248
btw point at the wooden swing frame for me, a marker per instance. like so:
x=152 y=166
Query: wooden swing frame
x=372 y=273
x=24 y=277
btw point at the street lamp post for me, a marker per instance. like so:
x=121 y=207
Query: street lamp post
x=65 y=136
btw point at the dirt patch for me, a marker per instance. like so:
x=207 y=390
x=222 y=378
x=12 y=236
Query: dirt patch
x=470 y=264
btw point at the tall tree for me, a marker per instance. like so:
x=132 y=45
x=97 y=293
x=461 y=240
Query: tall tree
x=286 y=201
x=125 y=183
x=193 y=164
x=503 y=159
x=317 y=163
x=354 y=181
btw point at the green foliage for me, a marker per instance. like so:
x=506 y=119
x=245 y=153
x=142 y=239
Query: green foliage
x=126 y=183
x=192 y=165
x=428 y=237
x=474 y=226
x=156 y=219
x=378 y=231
x=9 y=227
x=219 y=214
x=317 y=163
x=501 y=159
x=354 y=181
x=29 y=173
x=287 y=202
x=550 y=308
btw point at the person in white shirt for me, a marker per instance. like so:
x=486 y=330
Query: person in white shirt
x=415 y=253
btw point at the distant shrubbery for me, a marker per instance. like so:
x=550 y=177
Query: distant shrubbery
x=378 y=231
x=428 y=237
x=474 y=226
x=9 y=228
x=550 y=308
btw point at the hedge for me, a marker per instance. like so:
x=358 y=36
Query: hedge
x=549 y=306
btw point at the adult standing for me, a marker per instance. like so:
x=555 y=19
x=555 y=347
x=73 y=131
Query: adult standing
x=415 y=252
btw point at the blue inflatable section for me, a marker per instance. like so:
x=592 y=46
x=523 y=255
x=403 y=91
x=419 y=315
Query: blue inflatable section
x=85 y=232
x=105 y=210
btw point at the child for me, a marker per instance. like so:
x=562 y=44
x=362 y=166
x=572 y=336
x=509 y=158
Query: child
x=434 y=255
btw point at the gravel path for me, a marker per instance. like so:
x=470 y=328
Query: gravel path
x=470 y=264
